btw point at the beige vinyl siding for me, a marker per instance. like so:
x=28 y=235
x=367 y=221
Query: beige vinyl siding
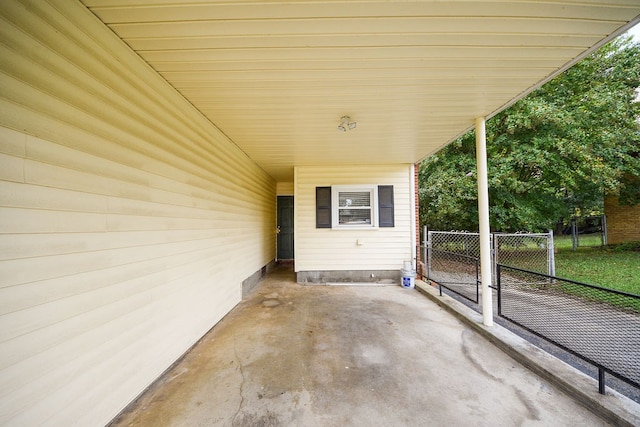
x=329 y=249
x=285 y=189
x=127 y=220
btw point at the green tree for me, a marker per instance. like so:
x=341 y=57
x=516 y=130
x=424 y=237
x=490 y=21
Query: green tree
x=552 y=154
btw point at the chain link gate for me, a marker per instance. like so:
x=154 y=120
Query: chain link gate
x=526 y=251
x=453 y=257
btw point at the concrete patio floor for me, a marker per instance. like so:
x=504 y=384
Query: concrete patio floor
x=293 y=355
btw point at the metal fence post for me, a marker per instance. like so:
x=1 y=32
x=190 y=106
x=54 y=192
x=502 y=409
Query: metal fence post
x=601 y=381
x=428 y=244
x=551 y=256
x=422 y=250
x=605 y=237
x=477 y=279
x=494 y=256
x=574 y=233
x=499 y=290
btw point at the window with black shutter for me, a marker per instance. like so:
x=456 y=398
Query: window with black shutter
x=355 y=206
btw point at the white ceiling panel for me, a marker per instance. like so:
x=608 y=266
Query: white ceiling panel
x=276 y=76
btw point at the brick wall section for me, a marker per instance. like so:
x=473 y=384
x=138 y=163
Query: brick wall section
x=623 y=222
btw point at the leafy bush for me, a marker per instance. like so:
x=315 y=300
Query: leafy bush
x=627 y=246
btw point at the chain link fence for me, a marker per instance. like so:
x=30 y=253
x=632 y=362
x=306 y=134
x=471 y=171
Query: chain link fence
x=586 y=231
x=452 y=257
x=463 y=279
x=453 y=262
x=599 y=325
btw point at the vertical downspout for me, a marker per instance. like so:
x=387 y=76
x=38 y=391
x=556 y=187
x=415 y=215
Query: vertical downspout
x=483 y=218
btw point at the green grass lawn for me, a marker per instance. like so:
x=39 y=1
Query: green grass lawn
x=601 y=266
x=584 y=240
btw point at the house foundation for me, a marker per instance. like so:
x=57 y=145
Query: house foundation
x=349 y=276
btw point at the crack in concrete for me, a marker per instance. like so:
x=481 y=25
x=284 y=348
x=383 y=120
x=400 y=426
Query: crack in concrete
x=241 y=368
x=467 y=352
x=534 y=413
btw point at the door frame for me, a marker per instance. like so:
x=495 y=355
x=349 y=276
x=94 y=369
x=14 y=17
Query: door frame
x=278 y=224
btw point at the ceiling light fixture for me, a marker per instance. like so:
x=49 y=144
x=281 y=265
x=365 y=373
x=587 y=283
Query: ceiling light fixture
x=346 y=124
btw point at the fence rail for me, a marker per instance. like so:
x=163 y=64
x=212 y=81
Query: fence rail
x=596 y=324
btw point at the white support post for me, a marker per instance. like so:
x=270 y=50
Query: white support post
x=483 y=217
x=415 y=241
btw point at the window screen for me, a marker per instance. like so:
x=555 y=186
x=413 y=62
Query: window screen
x=354 y=208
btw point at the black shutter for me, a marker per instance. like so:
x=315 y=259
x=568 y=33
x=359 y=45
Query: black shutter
x=385 y=206
x=323 y=207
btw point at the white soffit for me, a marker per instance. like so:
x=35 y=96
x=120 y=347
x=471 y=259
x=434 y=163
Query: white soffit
x=276 y=76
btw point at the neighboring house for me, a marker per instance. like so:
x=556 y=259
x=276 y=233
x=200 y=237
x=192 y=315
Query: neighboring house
x=623 y=222
x=144 y=146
